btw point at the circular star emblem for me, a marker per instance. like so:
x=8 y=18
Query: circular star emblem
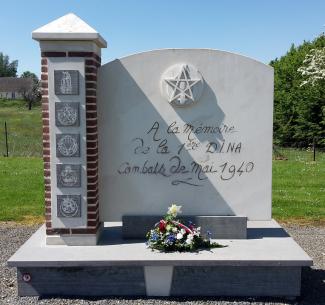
x=182 y=85
x=69 y=207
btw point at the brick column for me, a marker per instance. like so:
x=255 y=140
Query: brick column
x=70 y=61
x=91 y=66
x=46 y=143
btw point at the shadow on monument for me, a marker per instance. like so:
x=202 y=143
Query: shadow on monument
x=210 y=115
x=112 y=236
x=150 y=145
x=313 y=292
x=258 y=233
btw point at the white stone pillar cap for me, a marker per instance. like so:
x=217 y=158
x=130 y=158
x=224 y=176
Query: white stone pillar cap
x=69 y=27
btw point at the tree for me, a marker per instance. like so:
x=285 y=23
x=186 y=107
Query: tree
x=313 y=73
x=31 y=93
x=7 y=68
x=299 y=110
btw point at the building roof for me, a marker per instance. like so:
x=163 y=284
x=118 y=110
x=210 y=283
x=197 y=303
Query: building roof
x=14 y=84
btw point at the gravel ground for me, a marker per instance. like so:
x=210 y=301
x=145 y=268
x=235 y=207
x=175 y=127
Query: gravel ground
x=312 y=239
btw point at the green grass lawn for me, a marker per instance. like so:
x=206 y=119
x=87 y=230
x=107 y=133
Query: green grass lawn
x=299 y=187
x=21 y=189
x=298 y=182
x=21 y=182
x=24 y=129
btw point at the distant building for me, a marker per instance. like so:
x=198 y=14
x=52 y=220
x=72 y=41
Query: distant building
x=13 y=87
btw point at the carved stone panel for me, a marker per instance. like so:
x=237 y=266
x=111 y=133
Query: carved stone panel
x=68 y=175
x=66 y=82
x=67 y=145
x=66 y=114
x=68 y=206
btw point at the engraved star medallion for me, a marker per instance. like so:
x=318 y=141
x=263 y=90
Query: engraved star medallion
x=185 y=88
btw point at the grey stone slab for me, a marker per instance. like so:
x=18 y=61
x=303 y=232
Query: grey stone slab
x=68 y=175
x=68 y=145
x=67 y=114
x=113 y=250
x=203 y=155
x=236 y=281
x=82 y=281
x=185 y=281
x=66 y=82
x=221 y=227
x=68 y=206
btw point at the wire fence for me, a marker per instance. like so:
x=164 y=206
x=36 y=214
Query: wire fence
x=20 y=142
x=288 y=152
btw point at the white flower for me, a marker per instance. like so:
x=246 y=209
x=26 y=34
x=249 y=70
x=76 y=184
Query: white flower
x=189 y=239
x=179 y=236
x=174 y=210
x=175 y=230
x=183 y=231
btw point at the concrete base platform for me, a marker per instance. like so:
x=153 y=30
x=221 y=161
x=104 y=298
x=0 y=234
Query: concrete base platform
x=267 y=263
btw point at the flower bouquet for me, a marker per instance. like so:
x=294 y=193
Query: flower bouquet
x=170 y=234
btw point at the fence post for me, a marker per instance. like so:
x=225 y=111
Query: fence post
x=6 y=137
x=314 y=149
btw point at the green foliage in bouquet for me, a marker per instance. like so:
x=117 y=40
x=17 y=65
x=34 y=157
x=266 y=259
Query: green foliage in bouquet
x=170 y=234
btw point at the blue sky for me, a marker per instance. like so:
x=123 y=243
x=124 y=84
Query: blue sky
x=259 y=29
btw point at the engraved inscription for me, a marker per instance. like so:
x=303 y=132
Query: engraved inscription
x=156 y=155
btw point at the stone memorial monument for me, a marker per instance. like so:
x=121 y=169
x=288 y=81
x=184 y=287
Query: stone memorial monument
x=123 y=141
